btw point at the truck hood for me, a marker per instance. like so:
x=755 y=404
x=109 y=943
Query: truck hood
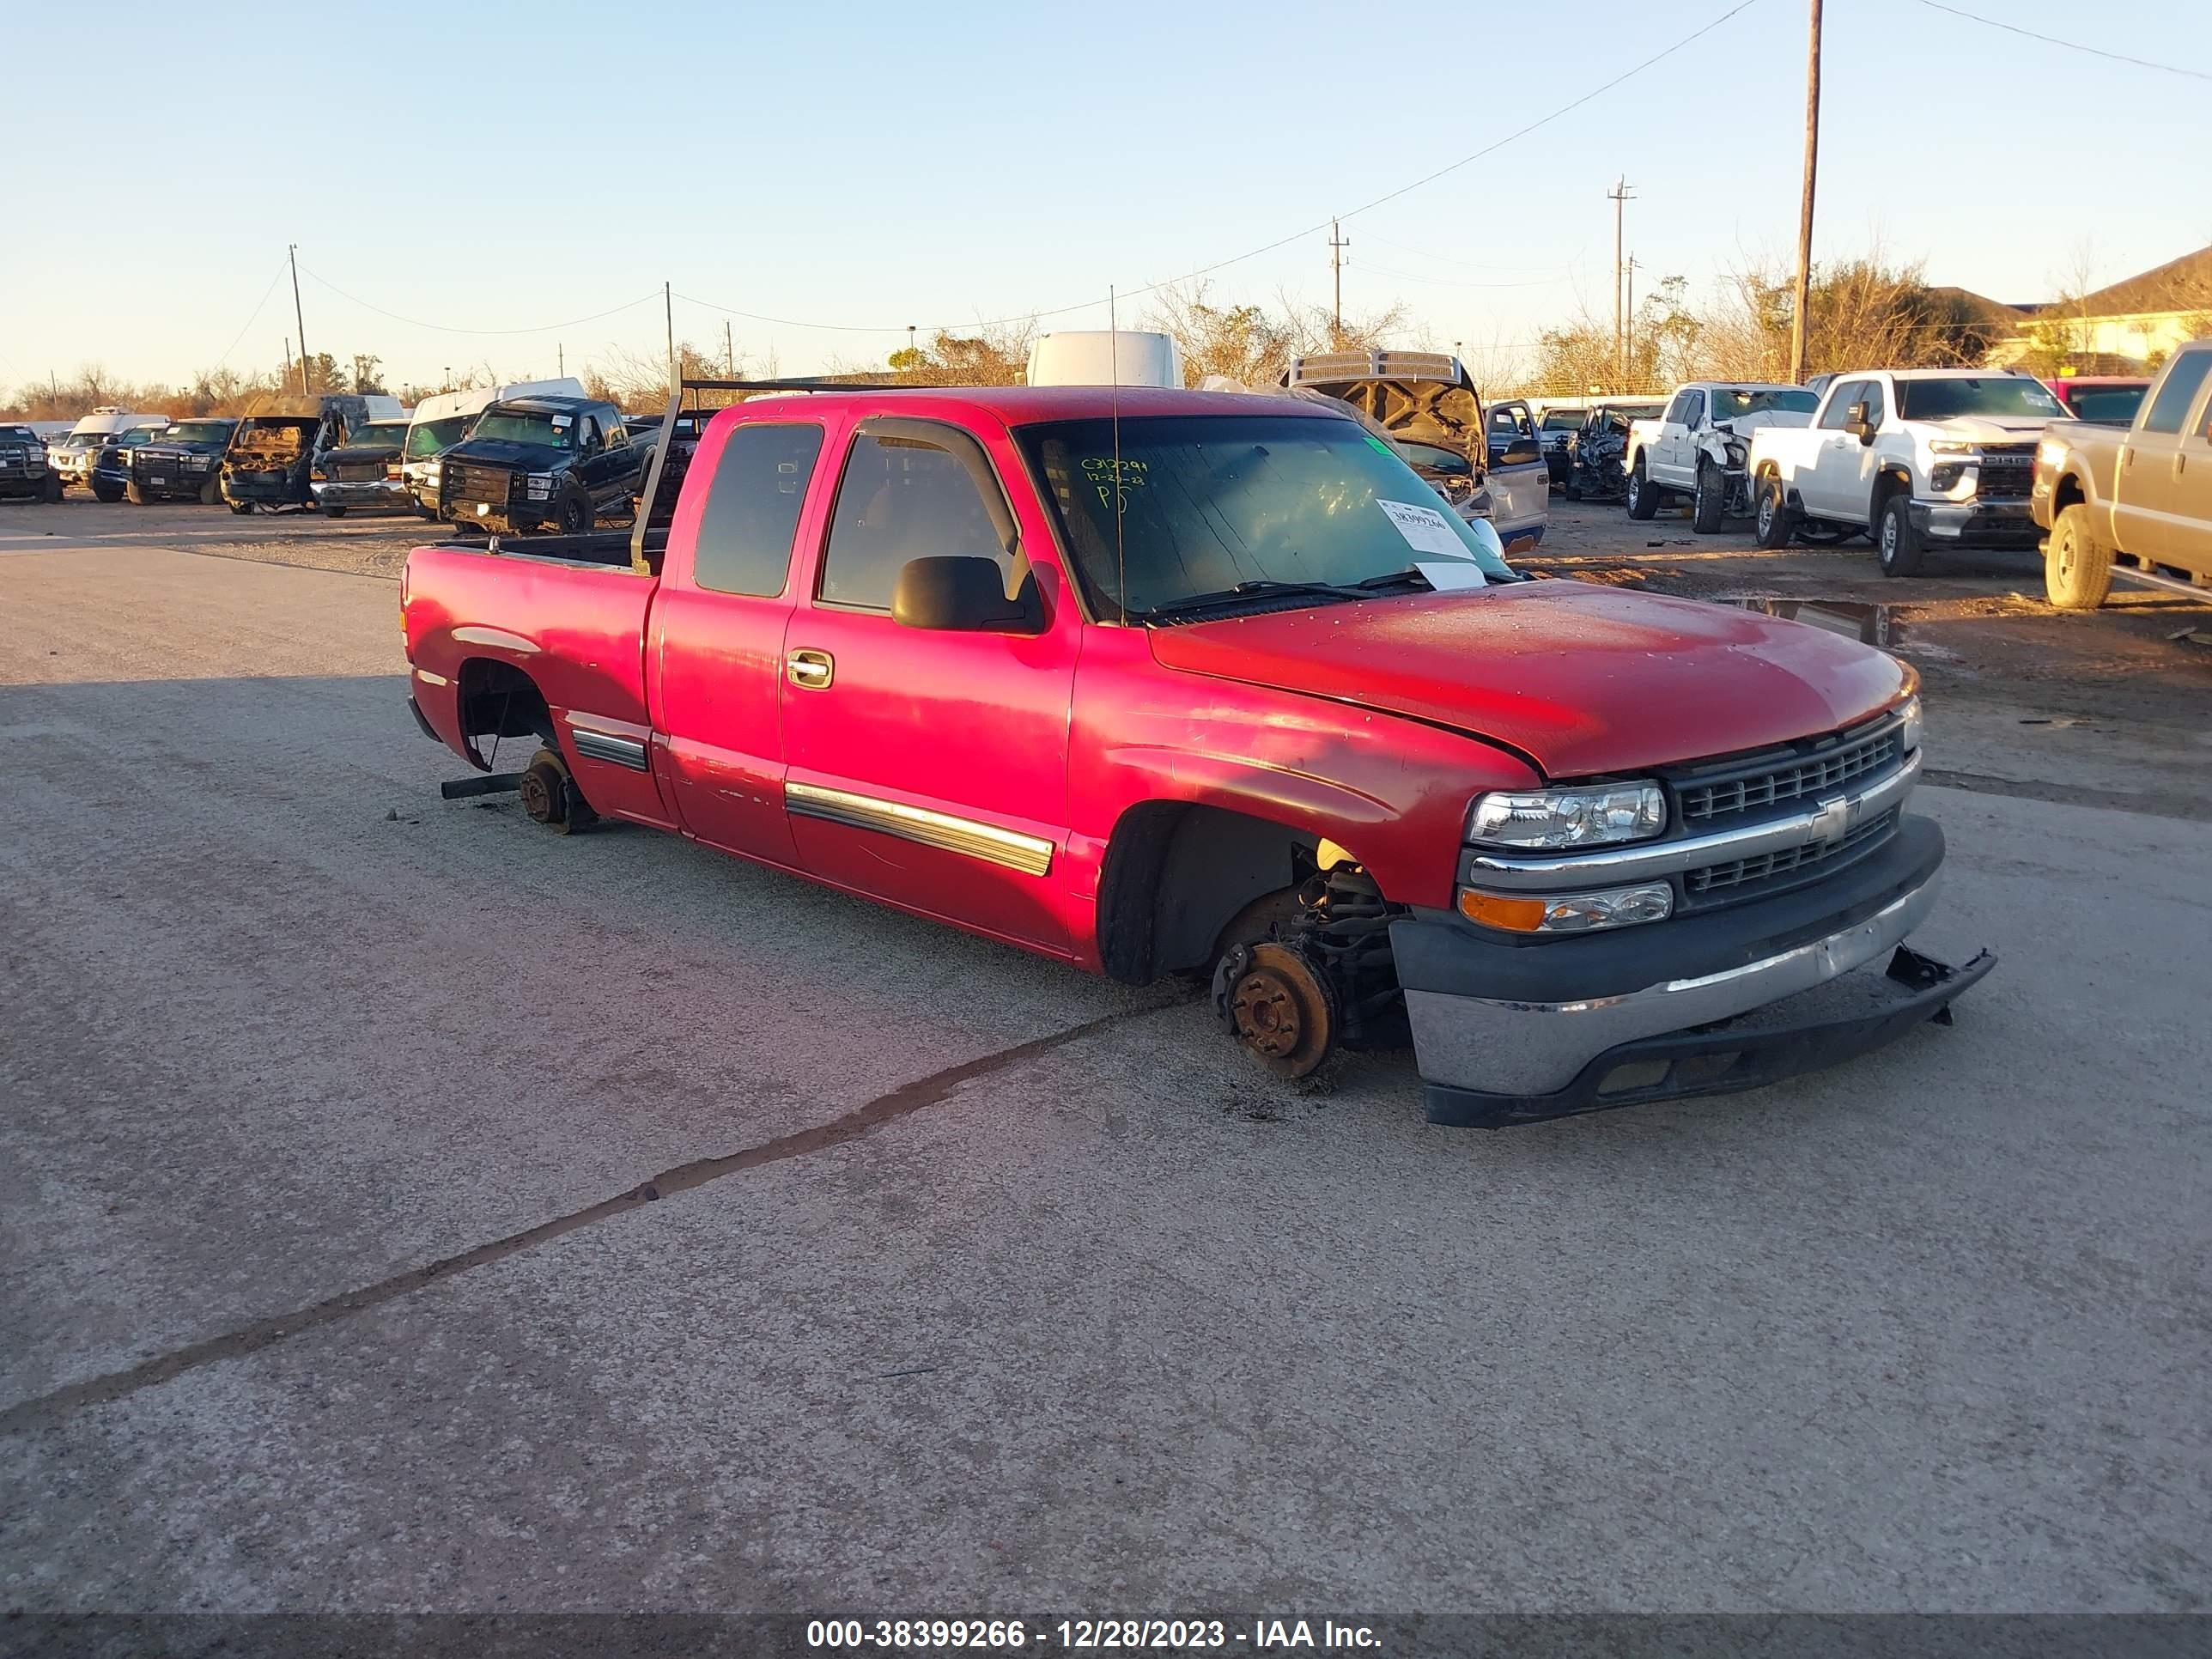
x=504 y=451
x=1759 y=417
x=1585 y=680
x=1981 y=429
x=356 y=453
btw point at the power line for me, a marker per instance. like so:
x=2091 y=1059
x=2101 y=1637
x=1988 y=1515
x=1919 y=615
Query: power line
x=275 y=277
x=2070 y=46
x=1296 y=235
x=441 y=328
x=1449 y=282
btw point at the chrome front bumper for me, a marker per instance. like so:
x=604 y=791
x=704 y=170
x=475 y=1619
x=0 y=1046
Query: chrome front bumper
x=366 y=492
x=1537 y=1048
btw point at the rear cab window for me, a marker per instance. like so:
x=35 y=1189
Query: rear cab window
x=750 y=520
x=2170 y=405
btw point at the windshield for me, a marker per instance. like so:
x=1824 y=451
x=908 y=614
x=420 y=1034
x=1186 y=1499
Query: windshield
x=197 y=432
x=1210 y=502
x=1998 y=397
x=1730 y=401
x=516 y=426
x=381 y=435
x=2105 y=406
x=430 y=437
x=1562 y=420
x=1436 y=458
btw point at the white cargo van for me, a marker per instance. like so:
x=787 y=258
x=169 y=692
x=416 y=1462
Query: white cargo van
x=1098 y=356
x=443 y=420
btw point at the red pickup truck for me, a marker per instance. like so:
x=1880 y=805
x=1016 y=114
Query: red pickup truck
x=1157 y=682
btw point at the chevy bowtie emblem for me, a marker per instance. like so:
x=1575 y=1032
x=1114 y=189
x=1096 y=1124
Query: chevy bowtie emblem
x=1834 y=820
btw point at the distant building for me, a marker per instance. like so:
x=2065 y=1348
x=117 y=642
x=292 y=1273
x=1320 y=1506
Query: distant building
x=2118 y=330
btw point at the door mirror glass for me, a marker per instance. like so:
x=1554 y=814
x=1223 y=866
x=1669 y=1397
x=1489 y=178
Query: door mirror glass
x=1520 y=452
x=964 y=594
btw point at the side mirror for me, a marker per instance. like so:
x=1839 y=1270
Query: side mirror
x=964 y=595
x=1520 y=452
x=1856 y=423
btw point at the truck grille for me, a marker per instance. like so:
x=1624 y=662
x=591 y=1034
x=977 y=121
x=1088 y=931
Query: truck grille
x=2006 y=471
x=1711 y=799
x=366 y=472
x=1739 y=874
x=477 y=483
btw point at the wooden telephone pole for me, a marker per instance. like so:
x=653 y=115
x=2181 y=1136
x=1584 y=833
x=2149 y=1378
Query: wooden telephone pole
x=1336 y=246
x=1622 y=193
x=1798 y=320
x=292 y=252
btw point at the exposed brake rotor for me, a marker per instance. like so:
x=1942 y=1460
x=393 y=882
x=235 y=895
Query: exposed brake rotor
x=1279 y=1006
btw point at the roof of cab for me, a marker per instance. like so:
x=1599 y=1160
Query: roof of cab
x=1026 y=405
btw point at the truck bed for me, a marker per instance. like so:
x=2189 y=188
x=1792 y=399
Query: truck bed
x=579 y=622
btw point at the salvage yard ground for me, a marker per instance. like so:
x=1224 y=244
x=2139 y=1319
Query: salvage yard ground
x=804 y=1256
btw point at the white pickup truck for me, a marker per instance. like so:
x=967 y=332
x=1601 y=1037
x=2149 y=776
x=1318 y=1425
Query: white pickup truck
x=1915 y=457
x=1698 y=448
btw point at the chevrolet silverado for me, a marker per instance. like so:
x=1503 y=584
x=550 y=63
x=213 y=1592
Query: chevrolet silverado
x=1155 y=681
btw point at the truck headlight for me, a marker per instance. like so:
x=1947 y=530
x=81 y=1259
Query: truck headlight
x=1909 y=710
x=1951 y=446
x=1568 y=913
x=432 y=471
x=1946 y=478
x=1552 y=820
x=538 y=485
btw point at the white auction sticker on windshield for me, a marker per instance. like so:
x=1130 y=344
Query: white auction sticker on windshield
x=1450 y=578
x=1425 y=528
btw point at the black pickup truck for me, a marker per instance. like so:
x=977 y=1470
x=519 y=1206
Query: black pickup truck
x=24 y=472
x=182 y=462
x=541 y=463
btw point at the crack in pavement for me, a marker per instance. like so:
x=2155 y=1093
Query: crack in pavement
x=2063 y=794
x=863 y=1119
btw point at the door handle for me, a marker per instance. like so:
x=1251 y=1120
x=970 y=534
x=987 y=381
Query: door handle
x=809 y=670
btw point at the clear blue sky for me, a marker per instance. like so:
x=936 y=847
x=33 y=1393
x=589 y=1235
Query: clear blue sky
x=494 y=167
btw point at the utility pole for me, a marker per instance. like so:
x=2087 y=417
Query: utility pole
x=1622 y=193
x=288 y=359
x=668 y=308
x=560 y=360
x=1336 y=246
x=729 y=353
x=292 y=250
x=1798 y=320
x=1628 y=322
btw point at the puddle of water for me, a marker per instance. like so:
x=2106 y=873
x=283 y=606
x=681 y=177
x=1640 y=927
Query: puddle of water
x=1870 y=624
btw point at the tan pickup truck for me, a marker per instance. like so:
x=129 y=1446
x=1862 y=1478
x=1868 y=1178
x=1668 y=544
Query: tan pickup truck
x=2143 y=493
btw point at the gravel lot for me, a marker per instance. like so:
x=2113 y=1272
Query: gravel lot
x=799 y=1255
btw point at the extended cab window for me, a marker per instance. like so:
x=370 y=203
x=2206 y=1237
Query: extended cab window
x=1676 y=410
x=2171 y=407
x=1694 y=408
x=751 y=514
x=901 y=498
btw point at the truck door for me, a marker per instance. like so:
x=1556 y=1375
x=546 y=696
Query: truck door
x=1681 y=440
x=927 y=767
x=2162 y=490
x=715 y=639
x=1826 y=484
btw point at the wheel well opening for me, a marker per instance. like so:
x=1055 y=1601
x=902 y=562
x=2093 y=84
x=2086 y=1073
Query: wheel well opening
x=1177 y=874
x=498 y=700
x=2069 y=493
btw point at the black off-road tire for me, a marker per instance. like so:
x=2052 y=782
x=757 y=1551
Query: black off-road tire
x=1709 y=508
x=50 y=491
x=1772 y=523
x=241 y=508
x=2077 y=568
x=1643 y=495
x=107 y=495
x=1897 y=545
x=133 y=493
x=424 y=512
x=331 y=510
x=211 y=492
x=576 y=517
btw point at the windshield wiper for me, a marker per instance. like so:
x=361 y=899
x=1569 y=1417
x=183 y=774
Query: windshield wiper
x=1245 y=593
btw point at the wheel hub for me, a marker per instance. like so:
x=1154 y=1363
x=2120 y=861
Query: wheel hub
x=1281 y=1009
x=536 y=790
